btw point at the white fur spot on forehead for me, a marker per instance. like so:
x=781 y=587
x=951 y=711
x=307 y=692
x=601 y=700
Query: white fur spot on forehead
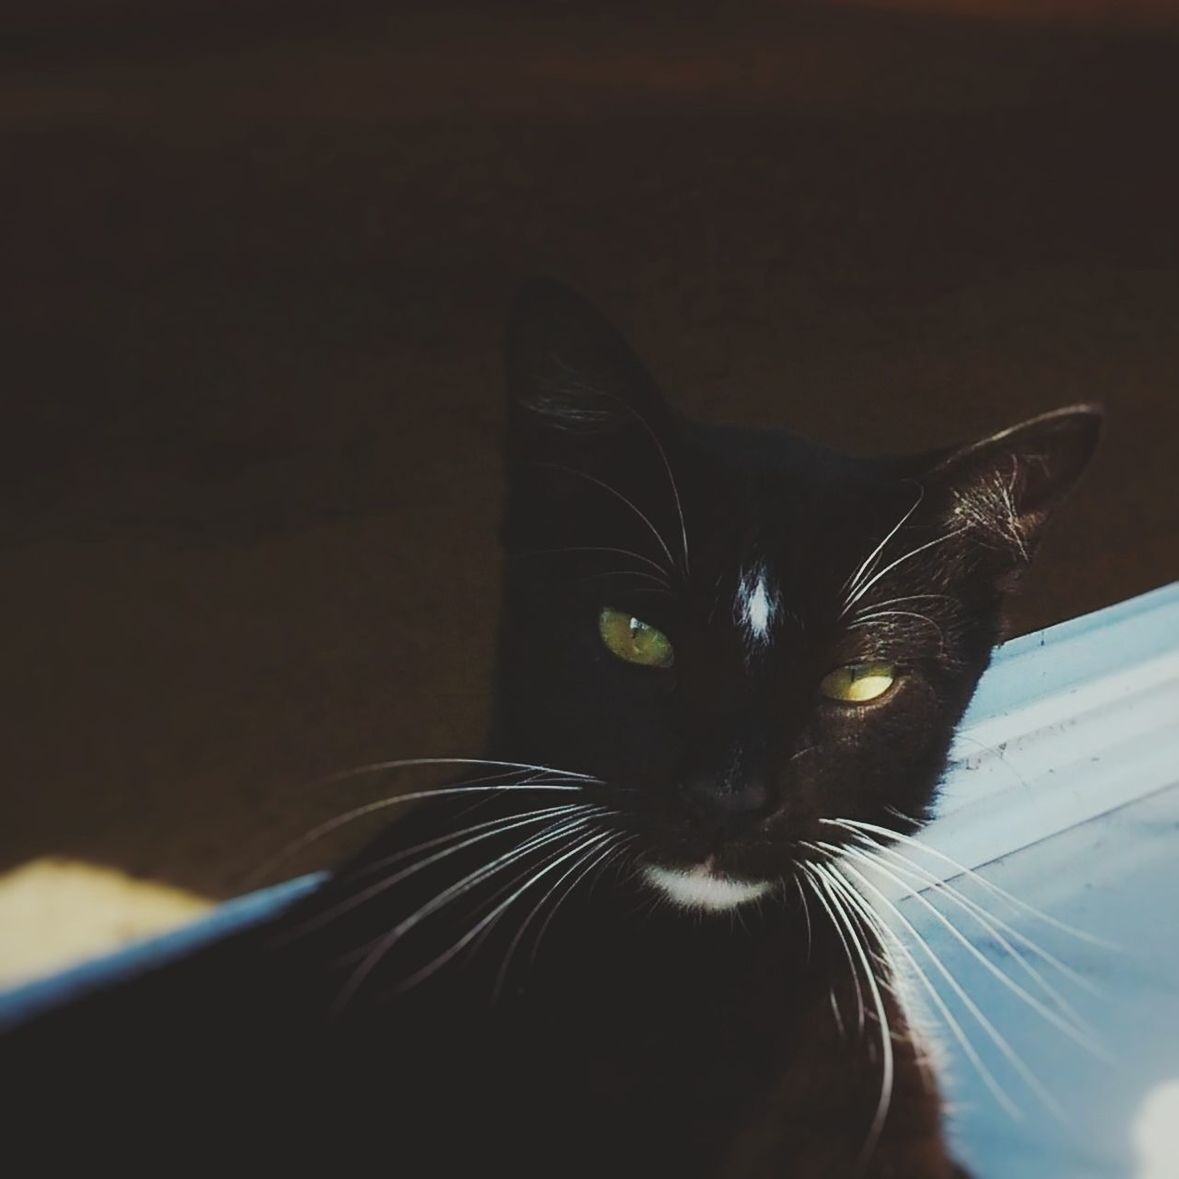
x=757 y=605
x=700 y=888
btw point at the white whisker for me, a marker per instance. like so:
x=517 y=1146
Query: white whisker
x=921 y=548
x=441 y=960
x=970 y=874
x=862 y=620
x=660 y=569
x=675 y=491
x=836 y=921
x=629 y=573
x=1005 y=979
x=995 y=926
x=955 y=1027
x=387 y=941
x=864 y=570
x=497 y=827
x=372 y=808
x=830 y=881
x=806 y=912
x=629 y=503
x=402 y=763
x=580 y=863
x=597 y=867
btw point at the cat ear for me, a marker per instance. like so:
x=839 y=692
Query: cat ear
x=570 y=373
x=1004 y=488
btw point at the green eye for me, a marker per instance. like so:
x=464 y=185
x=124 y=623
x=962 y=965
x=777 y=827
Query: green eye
x=634 y=640
x=856 y=683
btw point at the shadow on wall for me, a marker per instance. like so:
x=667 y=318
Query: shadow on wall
x=259 y=272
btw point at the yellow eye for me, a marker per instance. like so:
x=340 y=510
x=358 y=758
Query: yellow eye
x=634 y=640
x=856 y=683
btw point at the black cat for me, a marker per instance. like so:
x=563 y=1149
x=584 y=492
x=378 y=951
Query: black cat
x=633 y=942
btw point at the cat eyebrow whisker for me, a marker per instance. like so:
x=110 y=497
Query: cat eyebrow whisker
x=383 y=944
x=662 y=570
x=618 y=494
x=664 y=585
x=930 y=597
x=675 y=491
x=921 y=548
x=863 y=620
x=865 y=568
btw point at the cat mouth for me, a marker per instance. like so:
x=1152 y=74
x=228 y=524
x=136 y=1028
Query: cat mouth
x=704 y=886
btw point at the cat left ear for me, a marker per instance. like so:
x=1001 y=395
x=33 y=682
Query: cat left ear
x=1004 y=488
x=570 y=373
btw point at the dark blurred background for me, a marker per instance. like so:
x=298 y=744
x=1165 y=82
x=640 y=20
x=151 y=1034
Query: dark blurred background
x=255 y=260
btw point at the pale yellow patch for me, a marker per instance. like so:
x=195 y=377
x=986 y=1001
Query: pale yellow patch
x=56 y=912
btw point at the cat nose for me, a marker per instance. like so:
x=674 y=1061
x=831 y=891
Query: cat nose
x=726 y=796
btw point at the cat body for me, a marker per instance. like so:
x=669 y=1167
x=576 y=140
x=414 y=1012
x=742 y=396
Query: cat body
x=638 y=937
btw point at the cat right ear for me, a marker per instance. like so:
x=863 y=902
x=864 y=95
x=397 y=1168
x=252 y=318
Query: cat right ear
x=570 y=374
x=1004 y=488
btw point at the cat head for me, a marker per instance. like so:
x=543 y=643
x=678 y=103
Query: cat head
x=742 y=633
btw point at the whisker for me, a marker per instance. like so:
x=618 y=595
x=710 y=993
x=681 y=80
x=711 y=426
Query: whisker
x=995 y=926
x=853 y=582
x=597 y=868
x=886 y=1066
x=387 y=941
x=838 y=924
x=955 y=1027
x=835 y=1012
x=580 y=863
x=806 y=913
x=992 y=749
x=863 y=620
x=675 y=491
x=613 y=491
x=993 y=1033
x=1005 y=979
x=498 y=827
x=371 y=808
x=960 y=868
x=380 y=766
x=437 y=963
x=502 y=821
x=629 y=573
x=660 y=569
x=911 y=598
x=921 y=548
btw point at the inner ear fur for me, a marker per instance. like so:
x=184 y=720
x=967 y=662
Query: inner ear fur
x=1004 y=488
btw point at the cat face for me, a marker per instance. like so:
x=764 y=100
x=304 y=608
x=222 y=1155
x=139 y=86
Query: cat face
x=743 y=634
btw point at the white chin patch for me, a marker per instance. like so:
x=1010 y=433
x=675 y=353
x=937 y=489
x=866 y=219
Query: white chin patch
x=701 y=888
